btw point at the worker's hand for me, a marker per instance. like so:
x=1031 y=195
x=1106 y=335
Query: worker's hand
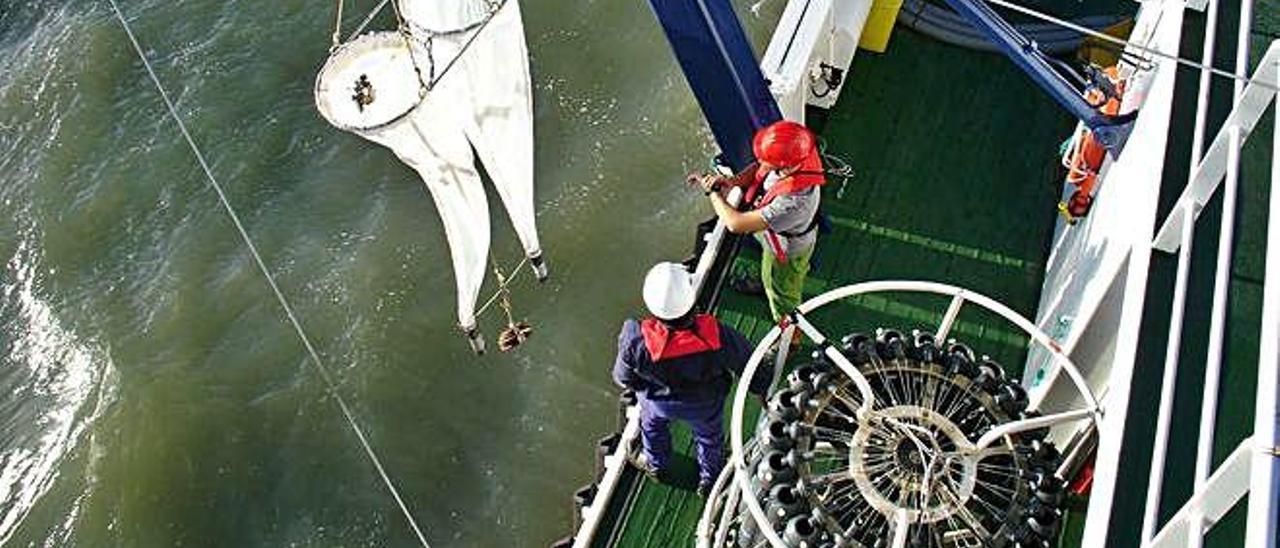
x=696 y=180
x=705 y=182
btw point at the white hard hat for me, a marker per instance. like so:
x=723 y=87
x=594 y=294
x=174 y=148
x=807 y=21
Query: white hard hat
x=668 y=291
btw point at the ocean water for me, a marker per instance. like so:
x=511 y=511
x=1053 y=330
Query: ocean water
x=152 y=392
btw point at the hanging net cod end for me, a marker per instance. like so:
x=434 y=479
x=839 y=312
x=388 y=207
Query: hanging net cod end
x=514 y=335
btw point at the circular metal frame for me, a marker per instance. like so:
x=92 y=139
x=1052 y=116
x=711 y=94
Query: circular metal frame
x=959 y=297
x=338 y=55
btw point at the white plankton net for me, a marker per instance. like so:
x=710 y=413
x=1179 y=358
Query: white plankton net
x=456 y=78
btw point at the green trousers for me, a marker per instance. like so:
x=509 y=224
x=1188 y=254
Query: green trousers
x=784 y=282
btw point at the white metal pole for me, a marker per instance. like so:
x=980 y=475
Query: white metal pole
x=1217 y=331
x=901 y=527
x=1160 y=446
x=1202 y=101
x=1222 y=274
x=1264 y=474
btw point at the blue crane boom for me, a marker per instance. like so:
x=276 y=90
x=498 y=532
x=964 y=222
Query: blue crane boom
x=725 y=76
x=723 y=72
x=1110 y=131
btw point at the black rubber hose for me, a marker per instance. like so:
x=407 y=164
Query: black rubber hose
x=1046 y=32
x=947 y=26
x=937 y=11
x=1052 y=44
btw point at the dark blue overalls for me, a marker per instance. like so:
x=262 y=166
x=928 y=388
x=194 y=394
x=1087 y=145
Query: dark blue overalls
x=682 y=374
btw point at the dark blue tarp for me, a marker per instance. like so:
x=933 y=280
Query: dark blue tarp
x=721 y=69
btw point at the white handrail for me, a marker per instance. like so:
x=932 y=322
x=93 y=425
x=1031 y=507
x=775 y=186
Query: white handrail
x=1265 y=471
x=1220 y=493
x=1222 y=277
x=1221 y=161
x=708 y=257
x=1208 y=174
x=1202 y=98
x=615 y=464
x=1164 y=419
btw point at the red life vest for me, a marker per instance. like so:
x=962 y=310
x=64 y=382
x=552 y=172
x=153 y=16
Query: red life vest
x=810 y=174
x=664 y=343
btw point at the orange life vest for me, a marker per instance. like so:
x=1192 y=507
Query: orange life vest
x=1085 y=156
x=810 y=174
x=664 y=343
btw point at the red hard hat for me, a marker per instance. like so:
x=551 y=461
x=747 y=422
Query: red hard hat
x=783 y=144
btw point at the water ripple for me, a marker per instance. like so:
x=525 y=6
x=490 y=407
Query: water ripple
x=55 y=385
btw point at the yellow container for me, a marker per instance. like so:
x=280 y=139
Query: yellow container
x=875 y=35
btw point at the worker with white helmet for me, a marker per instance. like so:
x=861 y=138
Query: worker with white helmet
x=681 y=365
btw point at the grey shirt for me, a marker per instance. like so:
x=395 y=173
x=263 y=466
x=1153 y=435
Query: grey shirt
x=792 y=214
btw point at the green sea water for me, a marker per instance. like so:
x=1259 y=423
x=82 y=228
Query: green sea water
x=152 y=392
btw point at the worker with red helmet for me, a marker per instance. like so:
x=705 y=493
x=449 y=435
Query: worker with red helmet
x=783 y=188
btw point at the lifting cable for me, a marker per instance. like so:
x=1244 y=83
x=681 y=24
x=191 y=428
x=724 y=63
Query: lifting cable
x=325 y=375
x=1126 y=44
x=423 y=85
x=410 y=31
x=337 y=24
x=477 y=26
x=367 y=19
x=516 y=332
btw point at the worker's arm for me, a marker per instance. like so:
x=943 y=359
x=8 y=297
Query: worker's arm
x=623 y=374
x=738 y=222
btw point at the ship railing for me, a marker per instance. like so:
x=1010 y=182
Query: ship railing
x=1253 y=467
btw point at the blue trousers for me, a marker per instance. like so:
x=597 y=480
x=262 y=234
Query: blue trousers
x=705 y=418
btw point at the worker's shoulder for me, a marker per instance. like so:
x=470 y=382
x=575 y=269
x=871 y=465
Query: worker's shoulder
x=630 y=329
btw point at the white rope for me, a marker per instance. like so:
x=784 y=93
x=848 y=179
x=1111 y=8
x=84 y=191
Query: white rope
x=502 y=287
x=253 y=250
x=1108 y=38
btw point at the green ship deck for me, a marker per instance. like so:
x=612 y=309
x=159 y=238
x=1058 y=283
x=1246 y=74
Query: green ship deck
x=974 y=208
